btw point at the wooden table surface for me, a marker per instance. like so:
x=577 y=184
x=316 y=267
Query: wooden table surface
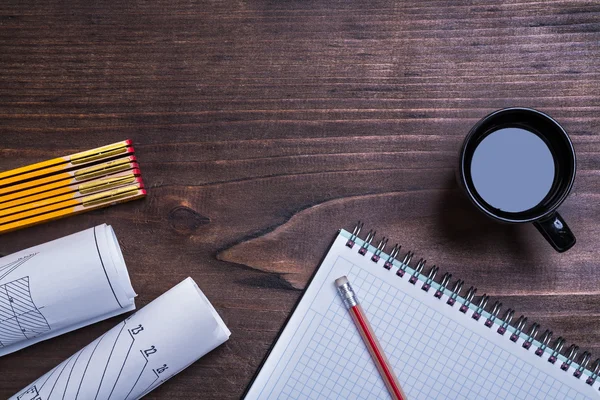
x=262 y=127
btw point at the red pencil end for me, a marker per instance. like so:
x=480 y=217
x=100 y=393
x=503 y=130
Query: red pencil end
x=128 y=142
x=137 y=172
x=143 y=191
x=133 y=158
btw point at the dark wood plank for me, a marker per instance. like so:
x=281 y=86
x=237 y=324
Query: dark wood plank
x=263 y=127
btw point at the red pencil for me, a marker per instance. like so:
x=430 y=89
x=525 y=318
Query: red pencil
x=368 y=336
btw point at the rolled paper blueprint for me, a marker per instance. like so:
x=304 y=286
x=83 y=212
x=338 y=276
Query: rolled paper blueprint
x=140 y=353
x=60 y=286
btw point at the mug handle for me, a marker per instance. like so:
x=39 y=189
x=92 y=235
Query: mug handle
x=556 y=231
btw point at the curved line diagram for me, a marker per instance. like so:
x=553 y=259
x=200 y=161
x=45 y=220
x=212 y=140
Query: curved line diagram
x=10 y=267
x=112 y=367
x=20 y=319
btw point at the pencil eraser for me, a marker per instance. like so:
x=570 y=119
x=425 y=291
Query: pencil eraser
x=132 y=158
x=143 y=191
x=136 y=171
x=341 y=281
x=128 y=142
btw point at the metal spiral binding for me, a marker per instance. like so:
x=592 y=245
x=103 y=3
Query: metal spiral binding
x=468 y=298
x=480 y=307
x=546 y=337
x=445 y=280
x=390 y=261
x=363 y=249
x=558 y=345
x=508 y=316
x=454 y=293
x=415 y=276
x=402 y=270
x=494 y=314
x=350 y=243
x=430 y=277
x=531 y=337
x=377 y=254
x=595 y=371
x=585 y=359
x=521 y=322
x=572 y=353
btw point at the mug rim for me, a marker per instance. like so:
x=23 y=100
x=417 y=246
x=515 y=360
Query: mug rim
x=548 y=211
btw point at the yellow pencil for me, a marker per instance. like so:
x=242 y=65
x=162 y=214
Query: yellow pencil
x=63 y=204
x=77 y=206
x=59 y=164
x=70 y=192
x=80 y=175
x=46 y=190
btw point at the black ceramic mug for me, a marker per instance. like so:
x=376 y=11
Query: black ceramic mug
x=518 y=165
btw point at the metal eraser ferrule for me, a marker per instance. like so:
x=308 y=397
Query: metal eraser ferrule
x=348 y=296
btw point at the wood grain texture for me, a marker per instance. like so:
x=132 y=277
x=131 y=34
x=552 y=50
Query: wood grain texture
x=262 y=127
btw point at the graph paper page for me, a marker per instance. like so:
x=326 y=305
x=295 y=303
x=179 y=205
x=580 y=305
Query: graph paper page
x=436 y=351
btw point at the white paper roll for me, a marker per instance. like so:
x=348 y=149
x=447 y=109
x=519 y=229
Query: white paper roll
x=140 y=353
x=60 y=286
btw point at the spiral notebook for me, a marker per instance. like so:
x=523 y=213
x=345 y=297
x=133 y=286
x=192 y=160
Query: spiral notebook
x=442 y=342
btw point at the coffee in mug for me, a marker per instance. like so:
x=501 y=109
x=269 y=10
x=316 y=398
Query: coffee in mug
x=518 y=165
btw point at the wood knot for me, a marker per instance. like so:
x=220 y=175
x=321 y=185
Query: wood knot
x=185 y=220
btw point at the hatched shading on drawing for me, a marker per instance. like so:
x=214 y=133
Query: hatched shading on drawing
x=19 y=317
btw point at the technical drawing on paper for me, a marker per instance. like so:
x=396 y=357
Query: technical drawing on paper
x=20 y=319
x=8 y=268
x=114 y=367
